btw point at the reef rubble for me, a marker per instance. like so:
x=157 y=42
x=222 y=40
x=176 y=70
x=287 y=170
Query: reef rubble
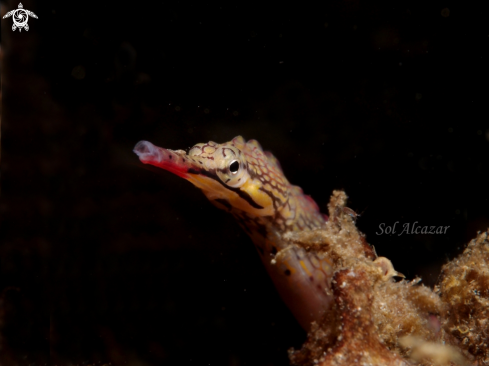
x=380 y=318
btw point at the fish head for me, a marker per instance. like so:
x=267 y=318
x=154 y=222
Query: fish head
x=235 y=175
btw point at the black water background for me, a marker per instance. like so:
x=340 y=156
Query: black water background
x=105 y=261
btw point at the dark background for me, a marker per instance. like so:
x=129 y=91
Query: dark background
x=104 y=261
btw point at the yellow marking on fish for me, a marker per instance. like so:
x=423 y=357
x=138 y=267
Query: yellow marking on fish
x=303 y=265
x=260 y=197
x=209 y=149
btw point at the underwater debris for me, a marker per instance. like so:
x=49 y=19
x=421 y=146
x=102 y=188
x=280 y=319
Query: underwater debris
x=377 y=321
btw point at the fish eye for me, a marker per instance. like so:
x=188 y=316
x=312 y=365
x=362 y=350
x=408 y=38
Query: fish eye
x=234 y=167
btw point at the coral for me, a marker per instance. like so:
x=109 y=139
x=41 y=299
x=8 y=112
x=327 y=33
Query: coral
x=378 y=321
x=464 y=287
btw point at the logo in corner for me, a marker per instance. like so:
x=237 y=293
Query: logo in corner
x=20 y=17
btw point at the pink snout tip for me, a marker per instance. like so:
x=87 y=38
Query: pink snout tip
x=147 y=152
x=162 y=158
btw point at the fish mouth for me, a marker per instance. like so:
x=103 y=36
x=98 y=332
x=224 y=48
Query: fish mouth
x=175 y=162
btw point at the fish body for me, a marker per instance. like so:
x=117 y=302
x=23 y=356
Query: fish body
x=240 y=178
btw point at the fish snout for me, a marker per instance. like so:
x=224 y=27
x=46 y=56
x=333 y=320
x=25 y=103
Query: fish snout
x=147 y=152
